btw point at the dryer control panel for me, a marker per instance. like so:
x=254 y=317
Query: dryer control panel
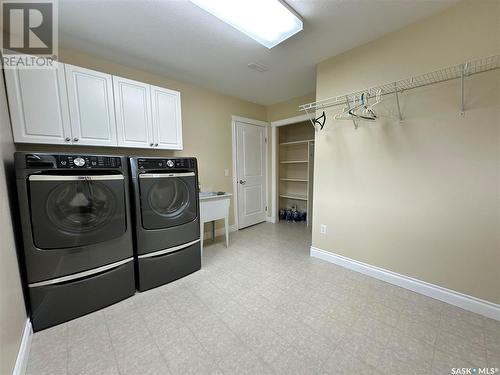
x=87 y=161
x=174 y=163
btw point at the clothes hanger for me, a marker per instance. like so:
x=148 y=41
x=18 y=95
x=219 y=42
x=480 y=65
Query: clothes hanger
x=368 y=113
x=344 y=115
x=378 y=99
x=349 y=112
x=367 y=109
x=320 y=120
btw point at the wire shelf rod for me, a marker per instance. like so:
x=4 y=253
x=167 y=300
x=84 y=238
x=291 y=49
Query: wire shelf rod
x=441 y=75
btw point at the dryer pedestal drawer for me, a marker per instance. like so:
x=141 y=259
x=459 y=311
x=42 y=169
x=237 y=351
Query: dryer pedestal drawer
x=164 y=268
x=57 y=303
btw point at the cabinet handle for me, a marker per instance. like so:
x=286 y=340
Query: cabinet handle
x=156 y=144
x=75 y=139
x=68 y=139
x=151 y=144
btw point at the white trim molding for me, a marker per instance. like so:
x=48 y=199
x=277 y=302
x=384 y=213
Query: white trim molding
x=250 y=121
x=274 y=159
x=274 y=171
x=234 y=169
x=24 y=350
x=464 y=301
x=291 y=120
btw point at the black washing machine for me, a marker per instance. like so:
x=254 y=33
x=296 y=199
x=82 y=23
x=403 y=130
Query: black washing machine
x=77 y=236
x=167 y=219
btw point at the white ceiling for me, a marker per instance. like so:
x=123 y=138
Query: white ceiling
x=177 y=39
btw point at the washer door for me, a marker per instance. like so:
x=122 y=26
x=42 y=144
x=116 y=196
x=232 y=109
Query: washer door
x=167 y=199
x=70 y=211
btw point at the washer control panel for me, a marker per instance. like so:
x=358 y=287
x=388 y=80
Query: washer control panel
x=48 y=161
x=79 y=161
x=86 y=161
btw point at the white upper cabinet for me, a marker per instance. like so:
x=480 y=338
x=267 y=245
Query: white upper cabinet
x=167 y=120
x=134 y=126
x=91 y=107
x=73 y=105
x=38 y=105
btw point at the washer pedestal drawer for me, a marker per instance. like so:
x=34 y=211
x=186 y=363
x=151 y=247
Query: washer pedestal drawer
x=162 y=269
x=58 y=303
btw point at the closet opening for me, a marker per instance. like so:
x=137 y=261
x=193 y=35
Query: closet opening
x=294 y=171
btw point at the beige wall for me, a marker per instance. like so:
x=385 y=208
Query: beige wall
x=288 y=108
x=12 y=309
x=206 y=120
x=419 y=198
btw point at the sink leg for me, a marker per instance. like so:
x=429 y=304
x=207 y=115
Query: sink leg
x=226 y=228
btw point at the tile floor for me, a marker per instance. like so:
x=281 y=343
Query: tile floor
x=263 y=306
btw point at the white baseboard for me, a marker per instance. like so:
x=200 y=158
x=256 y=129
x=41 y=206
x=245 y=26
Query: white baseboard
x=24 y=350
x=464 y=301
x=271 y=219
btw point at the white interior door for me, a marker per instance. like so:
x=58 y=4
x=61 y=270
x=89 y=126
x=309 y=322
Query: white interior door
x=251 y=173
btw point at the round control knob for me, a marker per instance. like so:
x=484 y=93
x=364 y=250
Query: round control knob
x=170 y=163
x=79 y=162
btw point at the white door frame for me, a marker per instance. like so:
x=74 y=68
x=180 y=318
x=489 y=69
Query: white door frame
x=274 y=158
x=250 y=121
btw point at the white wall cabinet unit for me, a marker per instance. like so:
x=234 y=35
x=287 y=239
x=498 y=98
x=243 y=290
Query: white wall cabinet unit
x=91 y=107
x=74 y=105
x=134 y=126
x=38 y=105
x=167 y=118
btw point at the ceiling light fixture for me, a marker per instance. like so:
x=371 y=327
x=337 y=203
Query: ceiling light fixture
x=269 y=22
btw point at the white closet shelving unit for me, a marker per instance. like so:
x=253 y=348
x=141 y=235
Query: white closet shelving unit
x=296 y=151
x=293 y=161
x=460 y=71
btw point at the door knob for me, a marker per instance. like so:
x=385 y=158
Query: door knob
x=243 y=182
x=75 y=139
x=68 y=139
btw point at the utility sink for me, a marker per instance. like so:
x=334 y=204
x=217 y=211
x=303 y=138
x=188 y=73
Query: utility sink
x=214 y=205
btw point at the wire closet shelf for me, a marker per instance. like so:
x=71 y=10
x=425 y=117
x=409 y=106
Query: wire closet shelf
x=442 y=75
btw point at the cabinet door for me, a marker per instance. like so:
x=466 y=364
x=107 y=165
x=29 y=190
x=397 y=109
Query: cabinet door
x=91 y=107
x=167 y=121
x=134 y=126
x=38 y=105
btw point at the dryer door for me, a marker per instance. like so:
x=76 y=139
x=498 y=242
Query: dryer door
x=70 y=211
x=167 y=199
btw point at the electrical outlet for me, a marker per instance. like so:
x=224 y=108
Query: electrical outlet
x=322 y=229
x=226 y=172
